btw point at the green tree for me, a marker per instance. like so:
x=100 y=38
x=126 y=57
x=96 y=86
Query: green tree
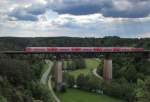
x=2 y=99
x=81 y=80
x=69 y=80
x=40 y=92
x=131 y=73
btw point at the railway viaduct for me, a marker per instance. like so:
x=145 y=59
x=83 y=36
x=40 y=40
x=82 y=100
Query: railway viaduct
x=87 y=52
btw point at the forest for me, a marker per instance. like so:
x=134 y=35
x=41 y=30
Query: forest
x=19 y=79
x=14 y=43
x=20 y=75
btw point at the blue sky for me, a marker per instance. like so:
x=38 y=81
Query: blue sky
x=75 y=18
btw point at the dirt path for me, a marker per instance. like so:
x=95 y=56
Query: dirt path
x=96 y=74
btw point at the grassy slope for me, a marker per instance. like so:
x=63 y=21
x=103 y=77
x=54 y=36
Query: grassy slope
x=90 y=65
x=74 y=95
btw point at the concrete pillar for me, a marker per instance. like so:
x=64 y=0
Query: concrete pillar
x=58 y=75
x=107 y=69
x=58 y=72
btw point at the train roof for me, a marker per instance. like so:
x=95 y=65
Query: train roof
x=80 y=47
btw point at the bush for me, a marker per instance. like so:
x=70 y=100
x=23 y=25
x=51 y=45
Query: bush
x=88 y=83
x=69 y=80
x=40 y=92
x=2 y=99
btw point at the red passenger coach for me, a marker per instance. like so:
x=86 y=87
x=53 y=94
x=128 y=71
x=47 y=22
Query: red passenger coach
x=83 y=49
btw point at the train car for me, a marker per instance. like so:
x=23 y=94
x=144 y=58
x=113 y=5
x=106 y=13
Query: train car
x=83 y=49
x=36 y=49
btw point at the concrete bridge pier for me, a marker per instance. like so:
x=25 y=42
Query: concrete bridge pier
x=58 y=75
x=107 y=68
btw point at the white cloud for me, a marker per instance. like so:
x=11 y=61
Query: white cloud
x=65 y=24
x=94 y=18
x=51 y=23
x=122 y=5
x=145 y=35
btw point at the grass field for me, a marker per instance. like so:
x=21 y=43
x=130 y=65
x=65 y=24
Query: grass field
x=90 y=65
x=74 y=95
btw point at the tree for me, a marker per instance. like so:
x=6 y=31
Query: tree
x=69 y=80
x=3 y=99
x=81 y=81
x=79 y=63
x=40 y=92
x=141 y=92
x=131 y=73
x=17 y=72
x=100 y=69
x=88 y=83
x=70 y=65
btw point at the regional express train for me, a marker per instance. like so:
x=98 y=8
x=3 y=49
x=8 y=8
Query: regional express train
x=83 y=49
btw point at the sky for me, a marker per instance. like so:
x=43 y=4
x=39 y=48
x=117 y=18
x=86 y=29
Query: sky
x=75 y=18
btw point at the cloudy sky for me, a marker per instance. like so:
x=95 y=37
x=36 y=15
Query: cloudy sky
x=76 y=18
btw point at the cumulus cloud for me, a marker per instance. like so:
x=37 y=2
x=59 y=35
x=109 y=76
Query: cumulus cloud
x=72 y=25
x=21 y=14
x=78 y=7
x=111 y=8
x=128 y=9
x=29 y=11
x=108 y=8
x=74 y=17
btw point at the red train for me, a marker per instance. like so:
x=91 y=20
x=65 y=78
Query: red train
x=83 y=49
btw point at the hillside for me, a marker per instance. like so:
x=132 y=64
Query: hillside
x=14 y=43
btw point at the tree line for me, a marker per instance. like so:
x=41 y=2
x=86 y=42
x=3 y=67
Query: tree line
x=74 y=64
x=13 y=43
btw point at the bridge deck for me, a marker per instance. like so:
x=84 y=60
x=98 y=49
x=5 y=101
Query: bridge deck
x=44 y=52
x=95 y=50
